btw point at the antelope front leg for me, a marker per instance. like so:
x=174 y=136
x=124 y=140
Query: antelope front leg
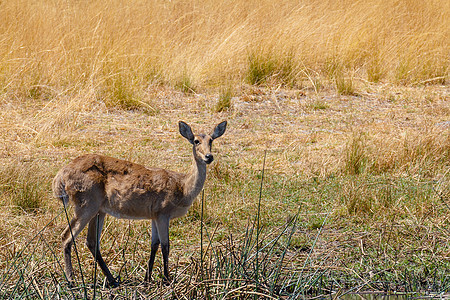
x=154 y=249
x=162 y=223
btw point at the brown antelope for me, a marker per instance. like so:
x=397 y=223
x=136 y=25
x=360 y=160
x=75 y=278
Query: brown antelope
x=97 y=185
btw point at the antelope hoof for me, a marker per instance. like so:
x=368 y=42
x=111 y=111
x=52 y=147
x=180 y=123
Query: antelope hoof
x=114 y=283
x=166 y=281
x=70 y=284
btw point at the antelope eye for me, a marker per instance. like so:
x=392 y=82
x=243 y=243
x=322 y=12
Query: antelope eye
x=196 y=142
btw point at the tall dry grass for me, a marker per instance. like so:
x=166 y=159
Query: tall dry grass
x=117 y=47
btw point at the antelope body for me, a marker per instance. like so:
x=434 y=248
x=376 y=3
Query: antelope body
x=97 y=185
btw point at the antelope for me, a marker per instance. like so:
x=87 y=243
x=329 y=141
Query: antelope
x=98 y=185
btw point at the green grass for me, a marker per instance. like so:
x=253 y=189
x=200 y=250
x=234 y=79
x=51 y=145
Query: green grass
x=356 y=156
x=319 y=105
x=375 y=71
x=391 y=216
x=185 y=84
x=224 y=102
x=123 y=94
x=25 y=186
x=268 y=67
x=344 y=86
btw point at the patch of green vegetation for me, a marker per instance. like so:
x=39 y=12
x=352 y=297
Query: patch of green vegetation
x=355 y=155
x=344 y=86
x=27 y=196
x=319 y=104
x=375 y=70
x=353 y=196
x=224 y=102
x=259 y=69
x=337 y=71
x=300 y=242
x=25 y=186
x=185 y=84
x=37 y=92
x=121 y=92
x=317 y=84
x=265 y=67
x=402 y=74
x=316 y=222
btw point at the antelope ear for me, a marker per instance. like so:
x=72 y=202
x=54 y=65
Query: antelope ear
x=219 y=130
x=186 y=131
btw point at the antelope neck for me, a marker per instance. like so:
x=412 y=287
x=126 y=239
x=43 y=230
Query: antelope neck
x=194 y=180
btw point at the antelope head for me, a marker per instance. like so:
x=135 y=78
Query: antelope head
x=202 y=142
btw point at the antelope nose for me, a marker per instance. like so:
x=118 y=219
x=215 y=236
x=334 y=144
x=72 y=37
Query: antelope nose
x=209 y=158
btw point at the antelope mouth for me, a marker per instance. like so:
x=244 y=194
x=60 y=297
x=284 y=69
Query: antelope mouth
x=209 y=160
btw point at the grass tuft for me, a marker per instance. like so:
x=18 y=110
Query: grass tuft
x=224 y=102
x=319 y=104
x=269 y=67
x=119 y=93
x=185 y=84
x=375 y=71
x=344 y=85
x=260 y=68
x=355 y=155
x=24 y=185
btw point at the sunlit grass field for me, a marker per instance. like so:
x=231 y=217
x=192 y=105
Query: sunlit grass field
x=347 y=101
x=102 y=47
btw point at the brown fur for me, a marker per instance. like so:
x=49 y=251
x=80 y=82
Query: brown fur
x=125 y=186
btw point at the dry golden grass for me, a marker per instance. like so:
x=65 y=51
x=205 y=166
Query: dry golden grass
x=58 y=47
x=297 y=80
